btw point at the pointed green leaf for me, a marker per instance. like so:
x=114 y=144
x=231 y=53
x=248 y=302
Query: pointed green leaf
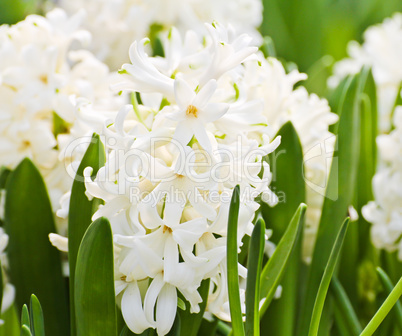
x=326 y=280
x=232 y=265
x=339 y=193
x=286 y=164
x=81 y=211
x=190 y=323
x=94 y=282
x=387 y=283
x=34 y=264
x=255 y=256
x=357 y=242
x=36 y=317
x=274 y=269
x=25 y=316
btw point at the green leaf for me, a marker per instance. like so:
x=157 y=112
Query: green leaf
x=12 y=11
x=326 y=280
x=232 y=265
x=34 y=264
x=81 y=211
x=357 y=243
x=255 y=256
x=25 y=316
x=94 y=282
x=276 y=265
x=36 y=317
x=339 y=194
x=286 y=164
x=25 y=331
x=190 y=323
x=383 y=311
x=11 y=325
x=345 y=308
x=387 y=283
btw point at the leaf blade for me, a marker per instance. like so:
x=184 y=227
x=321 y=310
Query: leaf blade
x=256 y=252
x=34 y=264
x=81 y=211
x=232 y=265
x=94 y=282
x=326 y=279
x=274 y=269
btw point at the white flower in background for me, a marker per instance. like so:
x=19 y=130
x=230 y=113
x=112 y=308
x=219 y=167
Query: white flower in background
x=385 y=212
x=382 y=50
x=189 y=137
x=311 y=116
x=41 y=81
x=116 y=24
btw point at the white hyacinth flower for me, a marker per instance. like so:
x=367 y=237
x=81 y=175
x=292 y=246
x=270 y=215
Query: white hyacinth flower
x=385 y=212
x=382 y=51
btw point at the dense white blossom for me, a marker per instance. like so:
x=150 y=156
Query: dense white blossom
x=174 y=156
x=382 y=50
x=385 y=212
x=41 y=80
x=115 y=24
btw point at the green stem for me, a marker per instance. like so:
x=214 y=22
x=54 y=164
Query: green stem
x=384 y=310
x=223 y=328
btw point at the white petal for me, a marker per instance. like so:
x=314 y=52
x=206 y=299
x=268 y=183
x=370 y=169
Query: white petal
x=166 y=309
x=205 y=94
x=183 y=93
x=131 y=308
x=184 y=132
x=213 y=111
x=151 y=296
x=59 y=242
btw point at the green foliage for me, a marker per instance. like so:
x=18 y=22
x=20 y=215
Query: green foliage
x=325 y=281
x=255 y=257
x=81 y=211
x=34 y=264
x=232 y=265
x=286 y=164
x=95 y=306
x=384 y=310
x=190 y=323
x=339 y=192
x=12 y=11
x=304 y=31
x=273 y=271
x=347 y=315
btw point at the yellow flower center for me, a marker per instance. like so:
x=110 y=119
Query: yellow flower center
x=192 y=111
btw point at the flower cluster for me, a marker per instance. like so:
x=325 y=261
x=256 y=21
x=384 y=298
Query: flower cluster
x=176 y=153
x=116 y=24
x=382 y=50
x=40 y=81
x=385 y=213
x=200 y=121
